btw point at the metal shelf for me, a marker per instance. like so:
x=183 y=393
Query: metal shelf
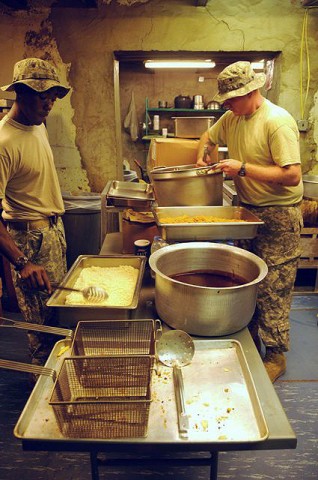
x=168 y=111
x=192 y=110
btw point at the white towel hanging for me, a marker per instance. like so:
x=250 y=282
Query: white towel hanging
x=131 y=120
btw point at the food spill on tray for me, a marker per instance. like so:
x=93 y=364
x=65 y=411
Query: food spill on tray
x=216 y=394
x=208 y=410
x=120 y=293
x=197 y=219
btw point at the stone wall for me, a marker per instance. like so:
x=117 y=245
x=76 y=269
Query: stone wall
x=80 y=42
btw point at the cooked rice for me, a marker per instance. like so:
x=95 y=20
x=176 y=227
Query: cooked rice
x=119 y=282
x=197 y=219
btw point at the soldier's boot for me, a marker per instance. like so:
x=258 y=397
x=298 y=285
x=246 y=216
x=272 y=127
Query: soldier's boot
x=275 y=364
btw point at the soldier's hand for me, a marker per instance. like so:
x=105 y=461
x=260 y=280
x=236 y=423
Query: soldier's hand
x=35 y=277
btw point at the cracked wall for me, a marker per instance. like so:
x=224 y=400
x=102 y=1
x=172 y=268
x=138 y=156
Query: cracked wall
x=81 y=43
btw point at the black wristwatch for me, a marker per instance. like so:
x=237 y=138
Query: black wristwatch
x=20 y=263
x=242 y=171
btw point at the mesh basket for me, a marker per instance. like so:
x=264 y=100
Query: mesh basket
x=103 y=397
x=115 y=337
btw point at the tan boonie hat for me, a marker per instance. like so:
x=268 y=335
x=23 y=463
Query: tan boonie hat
x=36 y=74
x=238 y=79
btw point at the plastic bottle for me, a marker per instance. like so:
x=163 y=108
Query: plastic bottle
x=156 y=123
x=157 y=243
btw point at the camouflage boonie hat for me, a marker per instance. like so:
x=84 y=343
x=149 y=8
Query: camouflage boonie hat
x=238 y=79
x=36 y=74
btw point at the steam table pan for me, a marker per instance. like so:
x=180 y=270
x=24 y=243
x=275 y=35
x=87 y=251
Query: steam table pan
x=69 y=315
x=129 y=194
x=223 y=230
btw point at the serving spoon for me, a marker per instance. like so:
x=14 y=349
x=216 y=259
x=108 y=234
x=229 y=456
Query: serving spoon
x=93 y=293
x=176 y=349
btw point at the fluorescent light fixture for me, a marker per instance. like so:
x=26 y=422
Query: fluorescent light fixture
x=179 y=64
x=258 y=65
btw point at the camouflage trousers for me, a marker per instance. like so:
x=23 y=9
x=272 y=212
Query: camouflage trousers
x=47 y=247
x=278 y=244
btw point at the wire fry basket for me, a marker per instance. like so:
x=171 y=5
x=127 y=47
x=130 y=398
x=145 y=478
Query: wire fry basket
x=115 y=337
x=103 y=397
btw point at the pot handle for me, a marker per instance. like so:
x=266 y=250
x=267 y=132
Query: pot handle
x=183 y=419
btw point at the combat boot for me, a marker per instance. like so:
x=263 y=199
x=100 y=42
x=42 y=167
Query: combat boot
x=275 y=364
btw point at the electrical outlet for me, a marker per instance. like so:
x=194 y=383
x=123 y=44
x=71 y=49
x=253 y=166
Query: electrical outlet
x=201 y=79
x=303 y=125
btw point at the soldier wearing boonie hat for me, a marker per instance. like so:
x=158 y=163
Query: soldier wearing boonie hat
x=264 y=162
x=237 y=80
x=37 y=74
x=31 y=199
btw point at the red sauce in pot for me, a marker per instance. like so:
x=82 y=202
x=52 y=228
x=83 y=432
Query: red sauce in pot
x=209 y=278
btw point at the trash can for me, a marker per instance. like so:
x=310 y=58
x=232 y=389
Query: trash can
x=82 y=223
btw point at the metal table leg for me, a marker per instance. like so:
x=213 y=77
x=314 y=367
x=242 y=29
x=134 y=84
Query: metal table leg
x=94 y=466
x=214 y=466
x=212 y=462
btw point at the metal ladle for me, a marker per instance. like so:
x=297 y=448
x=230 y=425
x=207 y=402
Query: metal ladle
x=176 y=349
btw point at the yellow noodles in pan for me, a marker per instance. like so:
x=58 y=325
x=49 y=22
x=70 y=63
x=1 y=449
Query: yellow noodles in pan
x=197 y=219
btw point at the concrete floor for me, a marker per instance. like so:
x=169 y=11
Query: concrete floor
x=297 y=390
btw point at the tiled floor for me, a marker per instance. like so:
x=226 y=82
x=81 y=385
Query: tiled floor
x=297 y=390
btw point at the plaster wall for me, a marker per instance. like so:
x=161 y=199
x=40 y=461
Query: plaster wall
x=81 y=43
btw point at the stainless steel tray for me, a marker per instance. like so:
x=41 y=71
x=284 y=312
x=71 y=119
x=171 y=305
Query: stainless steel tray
x=207 y=231
x=69 y=315
x=220 y=396
x=129 y=194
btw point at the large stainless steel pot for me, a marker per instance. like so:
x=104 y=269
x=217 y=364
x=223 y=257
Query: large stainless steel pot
x=206 y=311
x=187 y=185
x=310 y=186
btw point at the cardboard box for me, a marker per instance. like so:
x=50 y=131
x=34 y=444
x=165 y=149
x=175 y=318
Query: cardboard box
x=167 y=152
x=134 y=231
x=191 y=127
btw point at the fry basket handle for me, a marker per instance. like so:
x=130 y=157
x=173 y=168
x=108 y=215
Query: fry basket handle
x=26 y=367
x=63 y=332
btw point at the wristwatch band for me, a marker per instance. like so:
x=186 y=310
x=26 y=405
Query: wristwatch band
x=242 y=171
x=20 y=263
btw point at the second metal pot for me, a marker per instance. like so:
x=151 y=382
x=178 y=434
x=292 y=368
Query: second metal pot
x=187 y=185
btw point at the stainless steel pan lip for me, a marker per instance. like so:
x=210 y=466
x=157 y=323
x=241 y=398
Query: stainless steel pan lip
x=182 y=232
x=182 y=171
x=263 y=269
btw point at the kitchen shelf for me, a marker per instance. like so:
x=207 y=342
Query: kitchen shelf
x=181 y=110
x=168 y=112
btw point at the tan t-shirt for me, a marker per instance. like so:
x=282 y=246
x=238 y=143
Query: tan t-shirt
x=267 y=137
x=29 y=186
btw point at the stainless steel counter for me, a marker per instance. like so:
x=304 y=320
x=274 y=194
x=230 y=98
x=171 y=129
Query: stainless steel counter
x=38 y=430
x=281 y=434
